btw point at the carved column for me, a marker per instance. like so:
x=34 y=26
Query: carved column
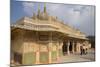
x=38 y=51
x=68 y=47
x=37 y=57
x=77 y=47
x=73 y=46
x=50 y=46
x=57 y=50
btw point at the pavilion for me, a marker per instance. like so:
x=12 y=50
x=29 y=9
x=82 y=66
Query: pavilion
x=43 y=39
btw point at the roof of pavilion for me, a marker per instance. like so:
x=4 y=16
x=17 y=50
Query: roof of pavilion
x=43 y=22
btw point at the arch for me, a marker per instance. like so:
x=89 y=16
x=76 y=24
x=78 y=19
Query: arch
x=70 y=47
x=64 y=48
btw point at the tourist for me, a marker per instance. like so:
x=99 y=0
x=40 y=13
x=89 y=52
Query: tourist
x=86 y=51
x=81 y=48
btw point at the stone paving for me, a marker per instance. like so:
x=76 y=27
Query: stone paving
x=78 y=58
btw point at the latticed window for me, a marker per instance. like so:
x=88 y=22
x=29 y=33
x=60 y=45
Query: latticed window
x=43 y=37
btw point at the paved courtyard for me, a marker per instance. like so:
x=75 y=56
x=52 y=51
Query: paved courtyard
x=78 y=58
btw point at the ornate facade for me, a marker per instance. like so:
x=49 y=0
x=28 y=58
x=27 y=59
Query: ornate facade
x=43 y=39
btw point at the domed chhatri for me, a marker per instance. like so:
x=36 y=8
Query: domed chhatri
x=42 y=15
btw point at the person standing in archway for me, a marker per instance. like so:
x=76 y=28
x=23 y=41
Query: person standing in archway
x=81 y=48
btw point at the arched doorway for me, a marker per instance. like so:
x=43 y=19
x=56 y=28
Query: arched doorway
x=70 y=47
x=64 y=48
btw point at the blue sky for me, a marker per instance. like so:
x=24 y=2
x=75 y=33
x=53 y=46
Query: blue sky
x=81 y=17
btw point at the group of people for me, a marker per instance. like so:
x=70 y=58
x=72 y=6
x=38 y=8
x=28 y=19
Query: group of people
x=83 y=50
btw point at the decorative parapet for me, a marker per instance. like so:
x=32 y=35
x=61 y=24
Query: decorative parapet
x=48 y=25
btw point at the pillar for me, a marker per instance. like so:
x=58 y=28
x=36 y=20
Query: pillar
x=73 y=46
x=57 y=50
x=37 y=57
x=38 y=51
x=77 y=48
x=50 y=44
x=68 y=48
x=50 y=47
x=60 y=48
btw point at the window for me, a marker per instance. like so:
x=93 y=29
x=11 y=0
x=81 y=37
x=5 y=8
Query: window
x=43 y=37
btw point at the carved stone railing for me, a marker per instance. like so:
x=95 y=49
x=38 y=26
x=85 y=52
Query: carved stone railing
x=48 y=25
x=35 y=27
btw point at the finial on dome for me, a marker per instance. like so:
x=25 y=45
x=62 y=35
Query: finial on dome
x=45 y=7
x=38 y=8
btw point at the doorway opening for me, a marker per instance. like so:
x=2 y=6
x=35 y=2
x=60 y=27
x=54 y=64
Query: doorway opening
x=64 y=48
x=70 y=47
x=18 y=58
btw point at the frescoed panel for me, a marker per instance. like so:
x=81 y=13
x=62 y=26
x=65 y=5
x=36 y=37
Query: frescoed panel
x=44 y=57
x=29 y=58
